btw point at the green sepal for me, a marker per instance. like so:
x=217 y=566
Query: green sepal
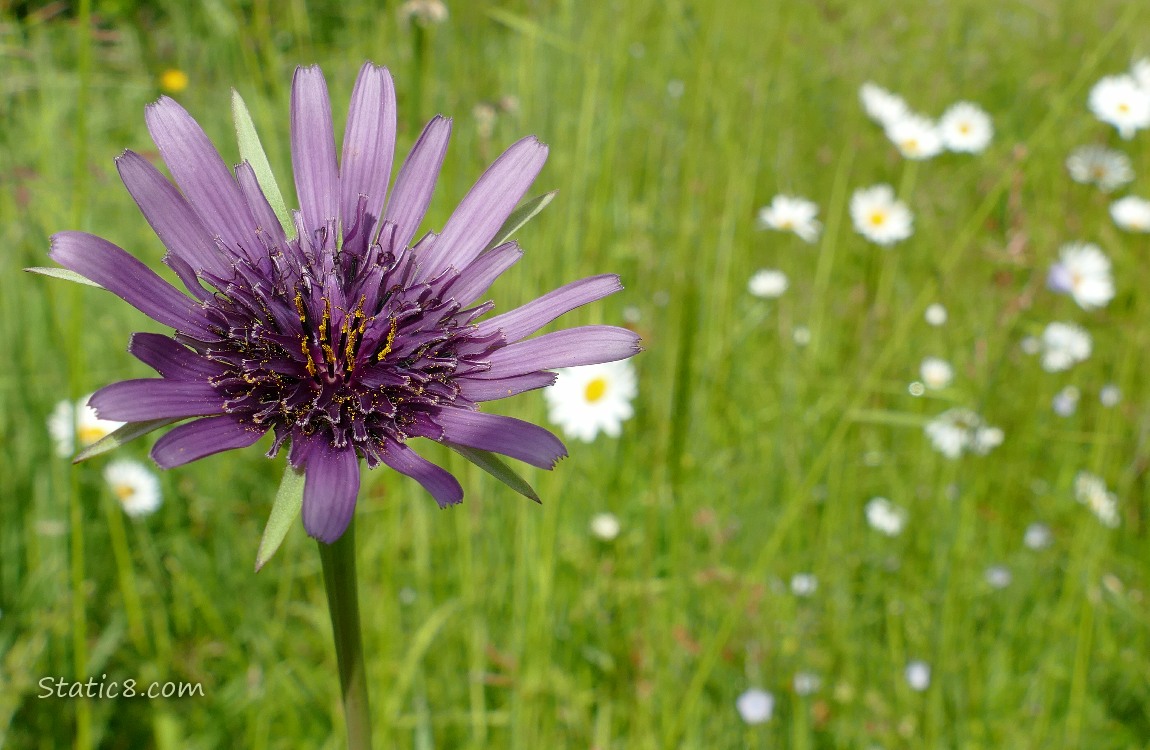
x=62 y=273
x=252 y=151
x=495 y=466
x=519 y=217
x=289 y=500
x=121 y=435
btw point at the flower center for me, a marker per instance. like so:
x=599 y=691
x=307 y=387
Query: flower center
x=89 y=435
x=1124 y=108
x=964 y=128
x=124 y=492
x=595 y=390
x=877 y=219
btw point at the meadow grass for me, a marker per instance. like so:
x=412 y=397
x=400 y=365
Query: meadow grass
x=750 y=457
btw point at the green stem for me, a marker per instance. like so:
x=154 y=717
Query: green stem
x=338 y=560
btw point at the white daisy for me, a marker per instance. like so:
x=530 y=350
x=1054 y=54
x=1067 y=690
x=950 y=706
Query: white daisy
x=423 y=12
x=935 y=314
x=587 y=400
x=918 y=675
x=71 y=422
x=755 y=706
x=1101 y=166
x=1131 y=213
x=881 y=105
x=1083 y=272
x=885 y=516
x=998 y=576
x=605 y=526
x=936 y=373
x=791 y=214
x=1065 y=402
x=768 y=283
x=958 y=430
x=965 y=127
x=804 y=584
x=879 y=217
x=1090 y=490
x=915 y=136
x=801 y=335
x=1063 y=345
x=1121 y=102
x=1110 y=395
x=136 y=487
x=1037 y=536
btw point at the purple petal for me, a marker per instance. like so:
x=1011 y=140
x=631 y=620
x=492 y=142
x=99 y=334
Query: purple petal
x=172 y=359
x=172 y=218
x=416 y=180
x=265 y=217
x=368 y=145
x=486 y=206
x=507 y=435
x=439 y=482
x=156 y=398
x=477 y=278
x=114 y=269
x=587 y=345
x=200 y=172
x=330 y=487
x=526 y=320
x=313 y=148
x=496 y=388
x=203 y=437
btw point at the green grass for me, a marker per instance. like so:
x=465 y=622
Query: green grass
x=504 y=624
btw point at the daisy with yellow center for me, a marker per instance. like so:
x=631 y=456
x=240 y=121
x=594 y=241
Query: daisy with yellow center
x=1120 y=101
x=879 y=216
x=596 y=398
x=791 y=214
x=137 y=488
x=915 y=136
x=965 y=128
x=72 y=422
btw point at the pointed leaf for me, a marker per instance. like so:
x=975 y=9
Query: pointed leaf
x=289 y=500
x=252 y=151
x=519 y=217
x=495 y=466
x=62 y=273
x=121 y=435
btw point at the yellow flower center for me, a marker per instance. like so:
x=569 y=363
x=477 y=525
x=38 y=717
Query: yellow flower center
x=595 y=390
x=1124 y=108
x=173 y=81
x=89 y=435
x=124 y=491
x=910 y=144
x=964 y=128
x=877 y=219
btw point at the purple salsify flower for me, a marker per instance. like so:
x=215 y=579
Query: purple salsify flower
x=346 y=340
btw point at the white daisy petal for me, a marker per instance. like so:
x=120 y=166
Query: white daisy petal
x=136 y=487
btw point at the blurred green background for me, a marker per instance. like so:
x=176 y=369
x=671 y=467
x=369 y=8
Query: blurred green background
x=750 y=458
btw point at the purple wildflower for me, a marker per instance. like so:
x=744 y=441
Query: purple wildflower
x=346 y=340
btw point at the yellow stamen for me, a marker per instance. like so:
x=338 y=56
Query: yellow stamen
x=878 y=218
x=595 y=390
x=390 y=340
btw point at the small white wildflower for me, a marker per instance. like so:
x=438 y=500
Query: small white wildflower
x=1037 y=536
x=885 y=516
x=958 y=430
x=806 y=683
x=879 y=216
x=791 y=214
x=1083 y=272
x=965 y=127
x=936 y=373
x=75 y=422
x=881 y=105
x=136 y=487
x=1131 y=213
x=755 y=706
x=1030 y=345
x=605 y=526
x=915 y=136
x=801 y=335
x=804 y=584
x=675 y=88
x=1121 y=102
x=768 y=283
x=998 y=576
x=587 y=400
x=1090 y=490
x=423 y=12
x=1110 y=395
x=1101 y=166
x=918 y=675
x=935 y=314
x=1066 y=401
x=916 y=389
x=1063 y=345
